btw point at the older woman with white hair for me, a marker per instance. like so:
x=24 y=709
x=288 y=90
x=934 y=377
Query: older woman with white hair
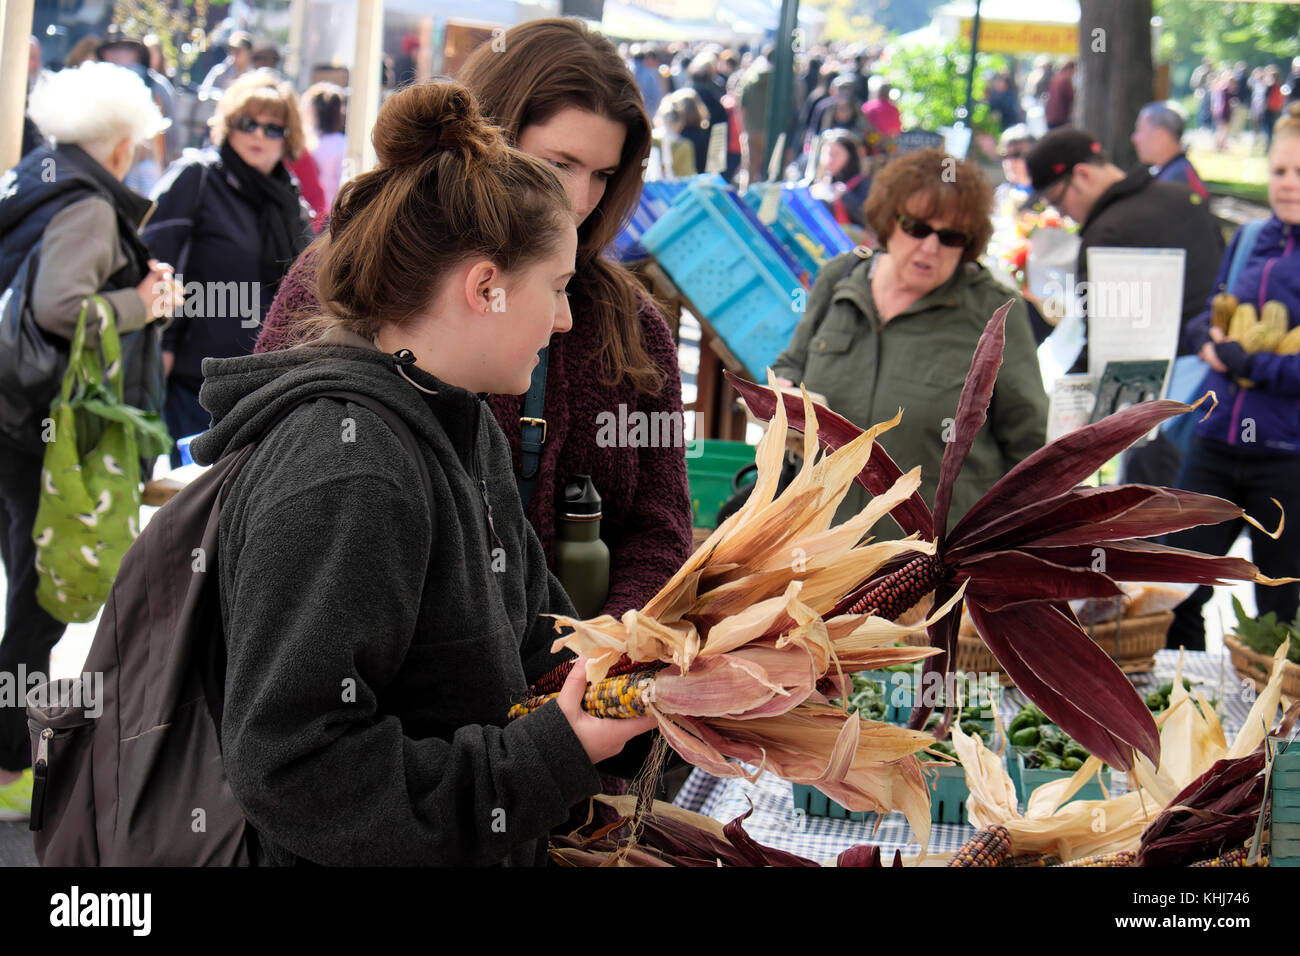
x=66 y=204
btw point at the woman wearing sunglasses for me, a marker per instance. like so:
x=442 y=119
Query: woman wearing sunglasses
x=897 y=328
x=232 y=220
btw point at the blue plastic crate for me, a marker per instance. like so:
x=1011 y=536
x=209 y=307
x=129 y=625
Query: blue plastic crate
x=656 y=198
x=807 y=254
x=728 y=265
x=803 y=226
x=817 y=219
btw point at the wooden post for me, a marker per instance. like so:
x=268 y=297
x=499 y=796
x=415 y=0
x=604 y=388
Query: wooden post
x=1114 y=78
x=15 y=33
x=363 y=104
x=294 y=67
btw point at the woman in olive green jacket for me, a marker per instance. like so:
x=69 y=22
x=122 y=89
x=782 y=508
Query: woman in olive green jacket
x=897 y=329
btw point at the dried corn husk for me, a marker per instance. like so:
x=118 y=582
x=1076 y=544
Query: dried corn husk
x=742 y=642
x=1191 y=741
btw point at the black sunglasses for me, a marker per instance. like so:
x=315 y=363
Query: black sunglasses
x=246 y=124
x=919 y=229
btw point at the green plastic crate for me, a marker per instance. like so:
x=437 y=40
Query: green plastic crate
x=1285 y=826
x=948 y=794
x=709 y=471
x=1286 y=806
x=1027 y=781
x=816 y=804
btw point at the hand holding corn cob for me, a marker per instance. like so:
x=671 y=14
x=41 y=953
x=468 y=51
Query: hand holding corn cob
x=601 y=739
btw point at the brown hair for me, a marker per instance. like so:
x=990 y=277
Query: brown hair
x=544 y=67
x=957 y=188
x=447 y=189
x=260 y=91
x=684 y=107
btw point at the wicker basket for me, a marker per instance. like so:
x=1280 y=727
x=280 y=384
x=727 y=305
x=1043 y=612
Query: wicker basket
x=1133 y=644
x=973 y=655
x=1255 y=667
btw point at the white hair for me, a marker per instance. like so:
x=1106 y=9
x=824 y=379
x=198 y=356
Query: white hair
x=94 y=104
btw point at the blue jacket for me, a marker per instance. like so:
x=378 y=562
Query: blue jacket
x=1180 y=170
x=1264 y=419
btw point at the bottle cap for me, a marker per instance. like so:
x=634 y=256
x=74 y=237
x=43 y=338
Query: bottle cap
x=581 y=500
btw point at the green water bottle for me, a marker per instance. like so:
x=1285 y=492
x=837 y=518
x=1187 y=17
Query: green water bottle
x=581 y=558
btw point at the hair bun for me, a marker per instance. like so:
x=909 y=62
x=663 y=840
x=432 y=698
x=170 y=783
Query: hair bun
x=429 y=118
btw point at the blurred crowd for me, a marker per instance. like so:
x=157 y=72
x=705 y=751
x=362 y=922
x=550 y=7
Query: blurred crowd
x=243 y=172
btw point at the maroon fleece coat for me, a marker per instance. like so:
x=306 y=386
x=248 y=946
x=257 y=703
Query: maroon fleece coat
x=647 y=508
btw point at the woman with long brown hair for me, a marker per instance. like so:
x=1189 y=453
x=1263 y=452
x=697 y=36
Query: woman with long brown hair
x=374 y=541
x=562 y=93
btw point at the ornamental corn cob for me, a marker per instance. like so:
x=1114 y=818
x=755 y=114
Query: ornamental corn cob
x=1118 y=858
x=1290 y=344
x=1262 y=338
x=1223 y=306
x=621 y=697
x=990 y=846
x=1275 y=317
x=1243 y=320
x=1234 y=858
x=899 y=591
x=553 y=680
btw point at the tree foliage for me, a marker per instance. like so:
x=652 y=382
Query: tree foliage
x=931 y=81
x=1258 y=33
x=178 y=25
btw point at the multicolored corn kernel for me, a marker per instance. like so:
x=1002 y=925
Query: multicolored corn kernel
x=990 y=846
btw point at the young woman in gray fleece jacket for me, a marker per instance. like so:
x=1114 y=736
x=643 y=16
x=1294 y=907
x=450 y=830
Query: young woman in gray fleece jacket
x=375 y=639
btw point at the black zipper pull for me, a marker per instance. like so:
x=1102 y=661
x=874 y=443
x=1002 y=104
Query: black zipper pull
x=40 y=777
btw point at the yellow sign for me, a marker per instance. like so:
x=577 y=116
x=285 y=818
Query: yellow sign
x=1004 y=37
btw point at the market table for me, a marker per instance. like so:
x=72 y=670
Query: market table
x=776 y=823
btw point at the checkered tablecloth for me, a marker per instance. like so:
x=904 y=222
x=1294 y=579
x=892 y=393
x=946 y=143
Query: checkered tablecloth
x=775 y=822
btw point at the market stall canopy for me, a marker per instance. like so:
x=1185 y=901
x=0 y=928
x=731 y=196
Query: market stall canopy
x=626 y=21
x=1012 y=26
x=687 y=20
x=760 y=18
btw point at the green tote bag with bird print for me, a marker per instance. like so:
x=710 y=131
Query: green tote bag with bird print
x=89 y=510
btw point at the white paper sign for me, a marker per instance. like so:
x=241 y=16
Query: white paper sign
x=1134 y=304
x=1070 y=406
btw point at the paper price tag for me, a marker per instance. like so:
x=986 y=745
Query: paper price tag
x=716 y=158
x=771 y=204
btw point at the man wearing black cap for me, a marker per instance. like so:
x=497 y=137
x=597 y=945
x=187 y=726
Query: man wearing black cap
x=1069 y=170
